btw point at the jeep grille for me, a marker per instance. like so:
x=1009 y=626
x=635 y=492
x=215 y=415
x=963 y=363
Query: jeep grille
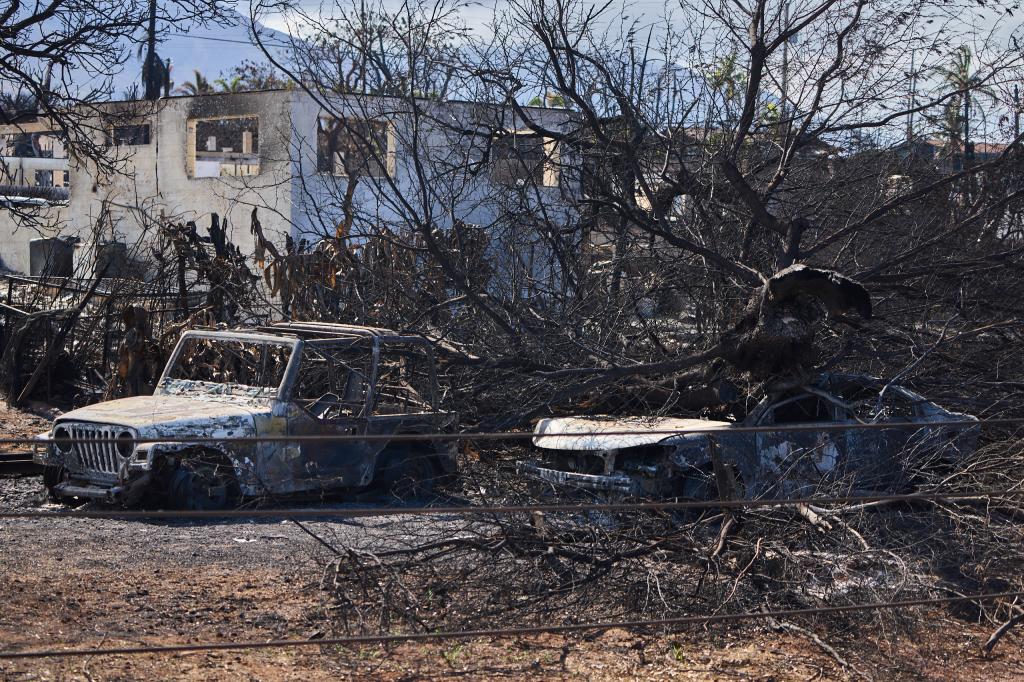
x=94 y=457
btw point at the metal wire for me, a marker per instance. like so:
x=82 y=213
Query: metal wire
x=503 y=632
x=516 y=435
x=468 y=510
x=513 y=509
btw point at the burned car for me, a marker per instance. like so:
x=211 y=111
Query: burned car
x=670 y=457
x=287 y=379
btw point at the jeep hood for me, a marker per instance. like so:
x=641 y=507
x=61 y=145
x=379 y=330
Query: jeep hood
x=170 y=415
x=615 y=433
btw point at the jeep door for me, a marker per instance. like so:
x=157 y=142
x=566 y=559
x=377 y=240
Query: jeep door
x=405 y=401
x=332 y=397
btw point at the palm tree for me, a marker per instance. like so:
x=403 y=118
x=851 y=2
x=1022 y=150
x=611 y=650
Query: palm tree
x=961 y=77
x=235 y=84
x=198 y=86
x=726 y=76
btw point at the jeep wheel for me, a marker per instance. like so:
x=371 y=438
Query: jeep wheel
x=203 y=485
x=409 y=475
x=52 y=477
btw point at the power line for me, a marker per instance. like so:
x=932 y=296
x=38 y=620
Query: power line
x=469 y=510
x=505 y=632
x=710 y=430
x=217 y=39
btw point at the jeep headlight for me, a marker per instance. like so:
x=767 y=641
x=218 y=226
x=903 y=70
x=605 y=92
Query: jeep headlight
x=125 y=443
x=141 y=458
x=62 y=440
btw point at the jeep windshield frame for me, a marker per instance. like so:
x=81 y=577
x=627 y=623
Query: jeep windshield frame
x=170 y=384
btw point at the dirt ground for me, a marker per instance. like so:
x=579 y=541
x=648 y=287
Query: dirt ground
x=70 y=583
x=25 y=423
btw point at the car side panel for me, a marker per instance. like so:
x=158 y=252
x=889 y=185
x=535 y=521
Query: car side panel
x=325 y=464
x=795 y=462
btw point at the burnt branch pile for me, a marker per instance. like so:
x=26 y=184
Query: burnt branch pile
x=649 y=230
x=557 y=568
x=78 y=340
x=640 y=238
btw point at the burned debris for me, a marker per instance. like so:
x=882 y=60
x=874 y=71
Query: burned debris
x=818 y=444
x=74 y=341
x=775 y=334
x=721 y=287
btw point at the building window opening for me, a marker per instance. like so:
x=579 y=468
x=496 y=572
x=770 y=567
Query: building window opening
x=224 y=147
x=128 y=135
x=521 y=159
x=43 y=145
x=353 y=147
x=33 y=159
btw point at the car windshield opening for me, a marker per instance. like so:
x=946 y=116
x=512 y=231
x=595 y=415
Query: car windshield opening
x=808 y=408
x=252 y=364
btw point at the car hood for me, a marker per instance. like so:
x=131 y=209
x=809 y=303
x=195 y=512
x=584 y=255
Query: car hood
x=614 y=433
x=166 y=415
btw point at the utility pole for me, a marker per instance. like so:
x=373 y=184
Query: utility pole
x=785 y=74
x=913 y=102
x=1015 y=227
x=151 y=80
x=785 y=65
x=1016 y=112
x=968 y=154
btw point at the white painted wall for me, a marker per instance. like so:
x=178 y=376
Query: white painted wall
x=153 y=181
x=291 y=197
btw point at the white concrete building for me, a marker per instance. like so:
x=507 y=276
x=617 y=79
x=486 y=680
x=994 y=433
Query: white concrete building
x=288 y=155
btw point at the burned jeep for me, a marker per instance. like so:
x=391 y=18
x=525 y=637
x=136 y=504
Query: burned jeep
x=287 y=379
x=669 y=457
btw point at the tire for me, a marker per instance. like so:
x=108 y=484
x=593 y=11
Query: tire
x=408 y=475
x=52 y=476
x=203 y=484
x=700 y=484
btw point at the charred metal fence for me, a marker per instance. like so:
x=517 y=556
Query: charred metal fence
x=61 y=336
x=531 y=514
